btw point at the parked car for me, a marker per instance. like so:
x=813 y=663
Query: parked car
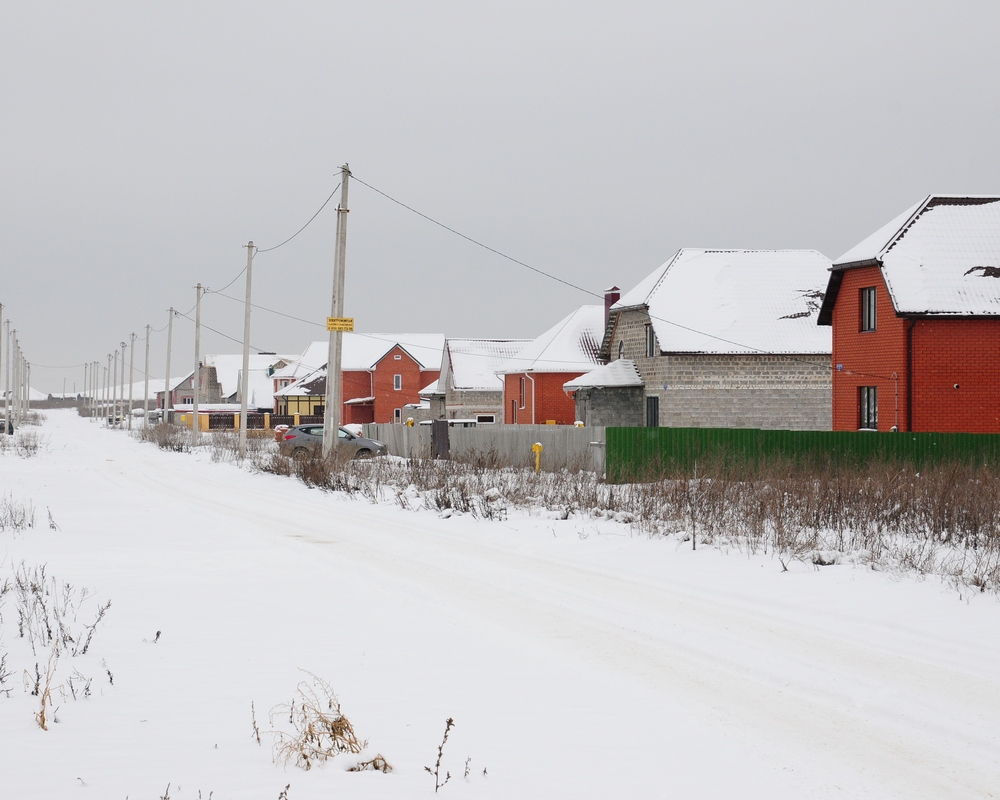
x=6 y=427
x=300 y=439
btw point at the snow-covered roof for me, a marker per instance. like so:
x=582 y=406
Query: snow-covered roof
x=229 y=366
x=313 y=357
x=311 y=383
x=621 y=372
x=571 y=345
x=736 y=301
x=431 y=388
x=472 y=364
x=362 y=351
x=942 y=257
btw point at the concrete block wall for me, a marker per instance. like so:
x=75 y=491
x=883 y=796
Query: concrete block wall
x=618 y=406
x=730 y=391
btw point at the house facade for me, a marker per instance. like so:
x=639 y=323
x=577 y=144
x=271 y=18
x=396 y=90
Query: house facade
x=727 y=339
x=381 y=375
x=915 y=315
x=533 y=380
x=469 y=386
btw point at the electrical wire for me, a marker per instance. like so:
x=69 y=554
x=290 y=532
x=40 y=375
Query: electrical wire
x=269 y=249
x=476 y=242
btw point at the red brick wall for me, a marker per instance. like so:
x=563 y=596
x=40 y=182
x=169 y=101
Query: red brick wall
x=550 y=401
x=956 y=351
x=945 y=352
x=387 y=398
x=869 y=358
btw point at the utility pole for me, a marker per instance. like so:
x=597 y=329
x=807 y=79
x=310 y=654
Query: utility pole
x=2 y=341
x=145 y=390
x=10 y=357
x=16 y=367
x=108 y=382
x=196 y=380
x=331 y=414
x=131 y=380
x=122 y=396
x=246 y=358
x=166 y=384
x=114 y=393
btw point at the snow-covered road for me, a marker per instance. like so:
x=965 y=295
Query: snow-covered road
x=576 y=659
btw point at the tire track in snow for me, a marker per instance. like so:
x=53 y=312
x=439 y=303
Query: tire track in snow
x=711 y=653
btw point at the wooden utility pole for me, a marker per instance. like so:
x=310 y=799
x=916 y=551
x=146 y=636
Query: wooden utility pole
x=196 y=380
x=244 y=393
x=331 y=413
x=166 y=384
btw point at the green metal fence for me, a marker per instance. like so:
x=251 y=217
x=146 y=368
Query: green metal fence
x=636 y=453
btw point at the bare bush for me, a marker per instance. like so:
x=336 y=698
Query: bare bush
x=320 y=730
x=175 y=438
x=28 y=444
x=16 y=515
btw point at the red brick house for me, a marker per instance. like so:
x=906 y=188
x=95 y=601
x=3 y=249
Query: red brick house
x=534 y=378
x=381 y=374
x=915 y=310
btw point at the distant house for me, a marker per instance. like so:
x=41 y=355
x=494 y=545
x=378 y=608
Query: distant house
x=533 y=379
x=726 y=339
x=222 y=381
x=295 y=369
x=469 y=386
x=381 y=374
x=915 y=313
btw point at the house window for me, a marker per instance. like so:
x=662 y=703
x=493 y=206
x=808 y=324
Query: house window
x=513 y=411
x=868 y=308
x=522 y=392
x=397 y=382
x=653 y=412
x=397 y=358
x=868 y=401
x=485 y=419
x=397 y=415
x=650 y=342
x=621 y=349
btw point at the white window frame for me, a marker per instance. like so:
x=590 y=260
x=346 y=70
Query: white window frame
x=397 y=382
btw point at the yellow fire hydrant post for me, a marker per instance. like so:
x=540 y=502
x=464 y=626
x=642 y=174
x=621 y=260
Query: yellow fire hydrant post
x=537 y=448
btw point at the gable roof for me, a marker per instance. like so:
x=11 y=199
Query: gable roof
x=735 y=301
x=941 y=257
x=472 y=364
x=362 y=351
x=571 y=345
x=621 y=372
x=229 y=366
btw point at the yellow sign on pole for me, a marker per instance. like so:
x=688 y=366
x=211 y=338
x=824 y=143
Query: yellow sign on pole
x=345 y=324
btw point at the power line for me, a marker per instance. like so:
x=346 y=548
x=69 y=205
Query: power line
x=269 y=249
x=476 y=242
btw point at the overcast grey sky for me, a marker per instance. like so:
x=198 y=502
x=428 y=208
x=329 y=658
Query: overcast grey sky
x=143 y=144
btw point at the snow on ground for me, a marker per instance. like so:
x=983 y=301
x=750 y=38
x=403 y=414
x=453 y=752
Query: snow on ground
x=577 y=660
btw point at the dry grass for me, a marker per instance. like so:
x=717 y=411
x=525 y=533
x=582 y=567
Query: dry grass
x=321 y=731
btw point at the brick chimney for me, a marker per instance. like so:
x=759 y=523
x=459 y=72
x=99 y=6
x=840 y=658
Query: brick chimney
x=611 y=296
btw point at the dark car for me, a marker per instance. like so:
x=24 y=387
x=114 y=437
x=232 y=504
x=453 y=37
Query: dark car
x=300 y=439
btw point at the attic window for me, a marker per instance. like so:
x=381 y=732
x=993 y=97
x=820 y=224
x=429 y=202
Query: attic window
x=397 y=358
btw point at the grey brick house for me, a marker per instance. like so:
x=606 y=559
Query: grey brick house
x=724 y=339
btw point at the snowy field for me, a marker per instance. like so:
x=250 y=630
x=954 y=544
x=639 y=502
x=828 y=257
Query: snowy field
x=577 y=660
